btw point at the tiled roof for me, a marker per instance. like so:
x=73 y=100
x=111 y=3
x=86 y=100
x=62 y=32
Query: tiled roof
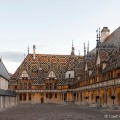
x=7 y=93
x=114 y=37
x=47 y=62
x=39 y=68
x=3 y=71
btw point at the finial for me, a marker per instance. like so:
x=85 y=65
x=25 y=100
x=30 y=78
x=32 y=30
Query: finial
x=88 y=47
x=72 y=52
x=28 y=50
x=99 y=36
x=84 y=50
x=72 y=43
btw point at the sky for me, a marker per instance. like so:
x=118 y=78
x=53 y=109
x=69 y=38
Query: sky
x=51 y=25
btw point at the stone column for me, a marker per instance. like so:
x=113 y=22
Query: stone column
x=105 y=102
x=22 y=97
x=113 y=105
x=81 y=97
x=76 y=97
x=35 y=98
x=0 y=102
x=90 y=99
x=27 y=97
x=63 y=97
x=16 y=99
x=98 y=100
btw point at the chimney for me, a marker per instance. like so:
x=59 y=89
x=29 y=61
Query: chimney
x=34 y=52
x=104 y=33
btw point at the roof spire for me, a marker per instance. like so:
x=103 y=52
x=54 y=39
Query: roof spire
x=72 y=52
x=28 y=50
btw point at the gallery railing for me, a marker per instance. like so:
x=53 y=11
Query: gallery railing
x=113 y=82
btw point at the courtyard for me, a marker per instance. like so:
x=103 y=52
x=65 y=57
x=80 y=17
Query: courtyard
x=57 y=112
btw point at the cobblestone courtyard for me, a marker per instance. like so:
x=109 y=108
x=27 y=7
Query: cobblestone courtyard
x=57 y=112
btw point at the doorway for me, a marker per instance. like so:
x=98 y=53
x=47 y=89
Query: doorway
x=42 y=100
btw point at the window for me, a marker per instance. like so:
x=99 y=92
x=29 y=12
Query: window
x=69 y=86
x=29 y=86
x=25 y=85
x=55 y=95
x=55 y=86
x=118 y=74
x=20 y=97
x=46 y=95
x=20 y=85
x=46 y=85
x=50 y=85
x=15 y=87
x=50 y=95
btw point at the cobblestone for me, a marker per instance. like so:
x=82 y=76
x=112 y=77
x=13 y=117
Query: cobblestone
x=57 y=112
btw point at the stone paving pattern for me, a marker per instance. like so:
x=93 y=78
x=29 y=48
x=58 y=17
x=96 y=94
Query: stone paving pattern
x=57 y=112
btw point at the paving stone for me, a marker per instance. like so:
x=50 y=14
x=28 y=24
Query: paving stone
x=56 y=112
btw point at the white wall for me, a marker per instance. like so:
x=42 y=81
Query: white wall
x=3 y=83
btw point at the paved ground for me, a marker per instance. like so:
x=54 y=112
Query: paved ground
x=57 y=112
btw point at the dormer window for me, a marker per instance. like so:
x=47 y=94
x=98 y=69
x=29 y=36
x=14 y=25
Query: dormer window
x=69 y=74
x=24 y=74
x=51 y=75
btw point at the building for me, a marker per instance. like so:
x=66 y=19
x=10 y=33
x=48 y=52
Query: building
x=7 y=97
x=92 y=79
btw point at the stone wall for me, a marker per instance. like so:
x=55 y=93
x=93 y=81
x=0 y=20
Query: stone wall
x=7 y=101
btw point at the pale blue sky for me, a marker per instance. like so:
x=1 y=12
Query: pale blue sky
x=51 y=25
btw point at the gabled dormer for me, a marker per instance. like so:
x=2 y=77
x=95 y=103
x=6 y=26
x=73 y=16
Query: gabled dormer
x=98 y=61
x=104 y=66
x=69 y=74
x=52 y=75
x=24 y=75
